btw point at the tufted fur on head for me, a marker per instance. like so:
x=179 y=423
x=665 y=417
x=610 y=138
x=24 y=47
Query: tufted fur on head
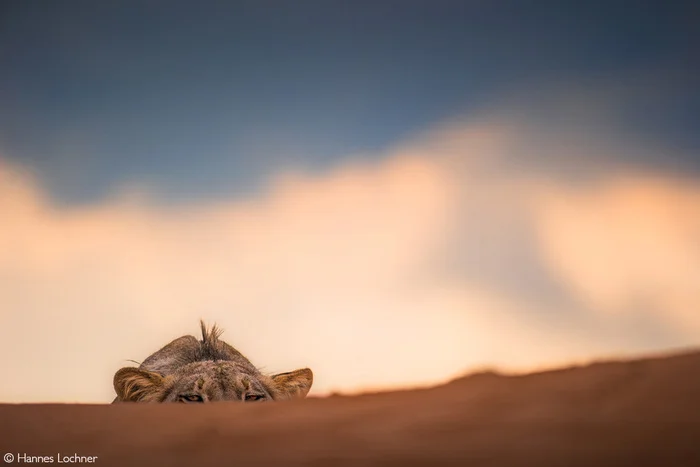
x=206 y=370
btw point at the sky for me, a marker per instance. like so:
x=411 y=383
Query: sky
x=391 y=193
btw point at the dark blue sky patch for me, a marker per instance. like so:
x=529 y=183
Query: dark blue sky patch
x=210 y=98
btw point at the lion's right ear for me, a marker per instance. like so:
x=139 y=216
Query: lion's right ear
x=136 y=385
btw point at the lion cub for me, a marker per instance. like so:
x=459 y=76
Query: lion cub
x=188 y=370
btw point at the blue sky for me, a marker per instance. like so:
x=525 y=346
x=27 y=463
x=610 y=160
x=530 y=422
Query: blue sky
x=202 y=99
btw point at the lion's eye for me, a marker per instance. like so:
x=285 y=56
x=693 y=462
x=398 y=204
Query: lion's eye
x=191 y=398
x=253 y=397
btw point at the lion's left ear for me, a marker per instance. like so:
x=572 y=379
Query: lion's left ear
x=136 y=385
x=293 y=384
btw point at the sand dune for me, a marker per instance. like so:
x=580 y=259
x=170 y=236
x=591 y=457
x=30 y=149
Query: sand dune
x=641 y=412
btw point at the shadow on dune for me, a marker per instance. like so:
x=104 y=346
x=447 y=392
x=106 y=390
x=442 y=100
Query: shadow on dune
x=638 y=412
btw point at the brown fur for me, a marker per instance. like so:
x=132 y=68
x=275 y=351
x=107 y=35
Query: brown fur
x=206 y=370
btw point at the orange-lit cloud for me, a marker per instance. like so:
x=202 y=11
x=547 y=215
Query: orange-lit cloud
x=627 y=245
x=408 y=270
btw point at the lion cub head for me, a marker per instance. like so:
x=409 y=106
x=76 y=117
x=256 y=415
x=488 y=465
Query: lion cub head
x=188 y=370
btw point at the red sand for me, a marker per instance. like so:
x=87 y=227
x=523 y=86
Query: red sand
x=643 y=412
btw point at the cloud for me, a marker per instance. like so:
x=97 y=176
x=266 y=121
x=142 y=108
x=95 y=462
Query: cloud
x=629 y=244
x=476 y=243
x=306 y=269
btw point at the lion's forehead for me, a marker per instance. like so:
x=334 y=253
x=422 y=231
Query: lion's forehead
x=226 y=374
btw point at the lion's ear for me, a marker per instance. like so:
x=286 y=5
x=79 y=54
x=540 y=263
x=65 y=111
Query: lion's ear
x=136 y=385
x=294 y=384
